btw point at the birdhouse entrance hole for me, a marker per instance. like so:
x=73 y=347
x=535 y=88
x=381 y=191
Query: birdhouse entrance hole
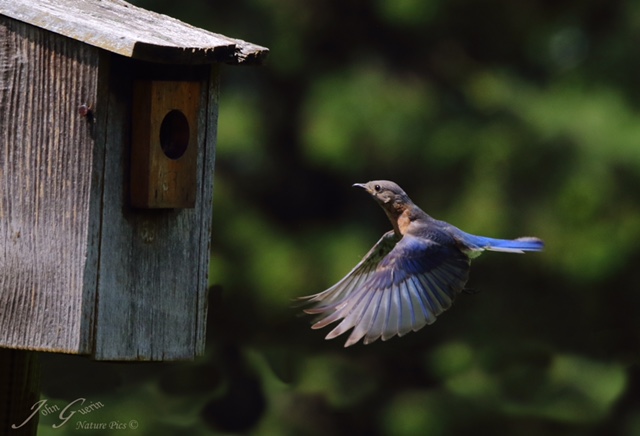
x=174 y=134
x=165 y=143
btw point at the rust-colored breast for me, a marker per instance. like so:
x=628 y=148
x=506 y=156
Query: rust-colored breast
x=404 y=220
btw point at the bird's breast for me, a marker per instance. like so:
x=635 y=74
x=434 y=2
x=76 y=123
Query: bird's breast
x=404 y=220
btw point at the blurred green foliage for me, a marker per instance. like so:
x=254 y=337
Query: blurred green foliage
x=503 y=118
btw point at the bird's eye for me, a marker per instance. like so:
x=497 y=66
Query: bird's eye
x=377 y=188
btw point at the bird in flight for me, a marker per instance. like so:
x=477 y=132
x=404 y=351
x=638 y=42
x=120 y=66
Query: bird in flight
x=409 y=277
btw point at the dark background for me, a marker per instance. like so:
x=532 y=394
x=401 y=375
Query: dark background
x=504 y=118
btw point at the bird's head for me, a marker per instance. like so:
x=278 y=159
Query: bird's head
x=386 y=193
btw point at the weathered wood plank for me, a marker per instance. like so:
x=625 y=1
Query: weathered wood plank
x=154 y=263
x=209 y=121
x=46 y=177
x=122 y=28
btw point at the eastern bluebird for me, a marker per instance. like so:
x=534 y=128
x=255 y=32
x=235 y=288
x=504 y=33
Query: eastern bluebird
x=409 y=277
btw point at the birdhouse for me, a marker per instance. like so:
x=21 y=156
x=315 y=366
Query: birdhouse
x=108 y=119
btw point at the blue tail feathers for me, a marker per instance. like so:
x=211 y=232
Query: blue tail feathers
x=527 y=243
x=519 y=245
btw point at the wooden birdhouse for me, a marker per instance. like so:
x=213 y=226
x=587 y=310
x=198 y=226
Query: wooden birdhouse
x=108 y=119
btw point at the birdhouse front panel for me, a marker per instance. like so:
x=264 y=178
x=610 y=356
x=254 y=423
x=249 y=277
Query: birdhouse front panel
x=151 y=296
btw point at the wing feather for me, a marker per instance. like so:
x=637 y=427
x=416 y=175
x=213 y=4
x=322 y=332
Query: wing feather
x=391 y=327
x=407 y=317
x=380 y=319
x=424 y=315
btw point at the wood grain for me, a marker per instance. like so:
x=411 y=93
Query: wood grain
x=151 y=302
x=81 y=271
x=47 y=161
x=157 y=180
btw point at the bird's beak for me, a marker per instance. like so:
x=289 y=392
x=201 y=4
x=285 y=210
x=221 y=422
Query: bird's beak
x=359 y=185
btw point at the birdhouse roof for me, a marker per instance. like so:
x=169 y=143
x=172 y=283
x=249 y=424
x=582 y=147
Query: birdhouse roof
x=120 y=27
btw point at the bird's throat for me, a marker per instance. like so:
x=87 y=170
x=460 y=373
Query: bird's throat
x=400 y=217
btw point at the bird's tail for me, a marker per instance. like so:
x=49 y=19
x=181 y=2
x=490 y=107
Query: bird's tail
x=519 y=245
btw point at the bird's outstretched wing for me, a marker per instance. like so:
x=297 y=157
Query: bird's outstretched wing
x=399 y=286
